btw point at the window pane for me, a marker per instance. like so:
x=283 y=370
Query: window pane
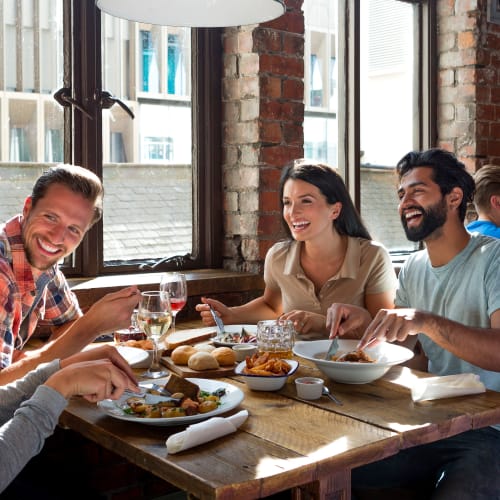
x=387 y=113
x=321 y=99
x=147 y=168
x=31 y=121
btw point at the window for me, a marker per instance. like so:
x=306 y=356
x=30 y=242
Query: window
x=368 y=99
x=141 y=95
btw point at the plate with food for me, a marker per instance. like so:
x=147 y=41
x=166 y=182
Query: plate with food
x=209 y=398
x=351 y=366
x=236 y=334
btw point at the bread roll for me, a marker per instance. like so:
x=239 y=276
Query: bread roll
x=202 y=361
x=180 y=355
x=204 y=347
x=224 y=355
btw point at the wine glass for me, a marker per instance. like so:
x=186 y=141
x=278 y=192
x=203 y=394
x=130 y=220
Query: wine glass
x=154 y=317
x=176 y=286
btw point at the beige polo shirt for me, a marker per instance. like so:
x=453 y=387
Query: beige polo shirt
x=367 y=269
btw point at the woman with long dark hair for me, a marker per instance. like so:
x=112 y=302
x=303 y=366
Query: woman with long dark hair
x=329 y=257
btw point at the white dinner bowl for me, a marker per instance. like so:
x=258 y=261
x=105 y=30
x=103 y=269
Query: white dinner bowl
x=266 y=383
x=385 y=354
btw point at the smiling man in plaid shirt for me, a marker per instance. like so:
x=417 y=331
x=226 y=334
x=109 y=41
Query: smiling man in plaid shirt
x=66 y=201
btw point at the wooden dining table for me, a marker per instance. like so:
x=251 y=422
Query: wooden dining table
x=286 y=443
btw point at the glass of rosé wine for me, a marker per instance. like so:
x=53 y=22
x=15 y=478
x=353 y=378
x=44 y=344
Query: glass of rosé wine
x=176 y=286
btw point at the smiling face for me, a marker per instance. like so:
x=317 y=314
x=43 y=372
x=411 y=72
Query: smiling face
x=422 y=207
x=55 y=226
x=306 y=210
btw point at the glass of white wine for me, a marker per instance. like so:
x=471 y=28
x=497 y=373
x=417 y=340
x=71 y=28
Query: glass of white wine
x=155 y=317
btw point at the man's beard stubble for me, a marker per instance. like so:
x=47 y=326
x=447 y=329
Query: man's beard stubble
x=433 y=218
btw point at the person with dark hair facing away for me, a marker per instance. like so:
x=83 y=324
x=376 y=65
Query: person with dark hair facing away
x=328 y=257
x=64 y=204
x=448 y=298
x=487 y=201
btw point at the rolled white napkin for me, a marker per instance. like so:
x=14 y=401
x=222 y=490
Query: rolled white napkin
x=205 y=431
x=446 y=386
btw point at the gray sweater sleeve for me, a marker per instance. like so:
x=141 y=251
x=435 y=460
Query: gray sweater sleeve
x=29 y=413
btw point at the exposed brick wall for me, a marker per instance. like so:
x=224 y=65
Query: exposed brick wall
x=468 y=85
x=263 y=90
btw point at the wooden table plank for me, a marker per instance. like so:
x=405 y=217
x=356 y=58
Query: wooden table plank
x=283 y=444
x=387 y=403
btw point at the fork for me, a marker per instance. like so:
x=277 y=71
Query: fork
x=334 y=347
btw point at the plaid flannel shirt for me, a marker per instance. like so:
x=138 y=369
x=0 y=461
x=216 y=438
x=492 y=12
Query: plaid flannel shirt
x=47 y=301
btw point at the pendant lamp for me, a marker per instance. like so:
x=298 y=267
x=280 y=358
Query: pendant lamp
x=195 y=13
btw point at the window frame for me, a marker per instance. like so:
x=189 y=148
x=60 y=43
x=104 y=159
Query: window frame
x=84 y=143
x=348 y=114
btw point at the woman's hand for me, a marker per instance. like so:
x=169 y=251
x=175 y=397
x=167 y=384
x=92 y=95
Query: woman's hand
x=306 y=322
x=348 y=320
x=220 y=309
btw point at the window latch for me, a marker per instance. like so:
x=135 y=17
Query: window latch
x=108 y=100
x=63 y=97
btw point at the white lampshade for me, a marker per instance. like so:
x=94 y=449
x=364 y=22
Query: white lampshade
x=195 y=13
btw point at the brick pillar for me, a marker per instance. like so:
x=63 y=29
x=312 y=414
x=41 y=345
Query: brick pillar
x=469 y=83
x=263 y=113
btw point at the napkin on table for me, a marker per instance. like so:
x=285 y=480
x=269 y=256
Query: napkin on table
x=446 y=386
x=205 y=431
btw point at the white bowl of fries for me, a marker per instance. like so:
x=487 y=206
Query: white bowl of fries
x=257 y=379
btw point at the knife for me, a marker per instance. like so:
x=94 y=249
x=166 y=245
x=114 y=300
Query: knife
x=218 y=322
x=332 y=350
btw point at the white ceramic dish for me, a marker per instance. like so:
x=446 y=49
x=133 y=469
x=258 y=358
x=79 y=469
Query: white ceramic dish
x=263 y=383
x=230 y=400
x=251 y=329
x=136 y=358
x=385 y=354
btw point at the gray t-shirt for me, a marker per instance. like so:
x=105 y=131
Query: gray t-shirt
x=29 y=413
x=466 y=290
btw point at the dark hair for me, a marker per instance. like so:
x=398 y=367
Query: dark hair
x=78 y=179
x=447 y=173
x=331 y=185
x=487 y=180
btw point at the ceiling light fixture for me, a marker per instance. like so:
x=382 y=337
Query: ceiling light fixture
x=195 y=13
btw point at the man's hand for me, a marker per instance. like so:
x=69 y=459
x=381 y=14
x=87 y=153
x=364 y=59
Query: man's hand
x=93 y=380
x=113 y=311
x=107 y=352
x=393 y=325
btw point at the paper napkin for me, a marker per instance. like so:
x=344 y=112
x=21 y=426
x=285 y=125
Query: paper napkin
x=205 y=431
x=446 y=386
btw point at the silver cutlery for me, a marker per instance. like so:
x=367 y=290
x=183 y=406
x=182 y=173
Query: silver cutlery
x=332 y=350
x=326 y=392
x=218 y=322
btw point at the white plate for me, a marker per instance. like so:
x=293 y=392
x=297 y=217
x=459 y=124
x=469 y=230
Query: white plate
x=230 y=400
x=252 y=329
x=134 y=356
